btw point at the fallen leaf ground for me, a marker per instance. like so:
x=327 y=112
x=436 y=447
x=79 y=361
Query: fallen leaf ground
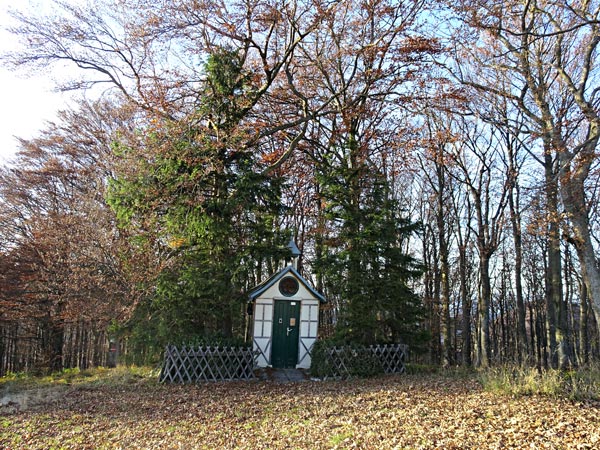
x=408 y=411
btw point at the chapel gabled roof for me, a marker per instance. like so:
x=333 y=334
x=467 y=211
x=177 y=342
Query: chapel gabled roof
x=262 y=287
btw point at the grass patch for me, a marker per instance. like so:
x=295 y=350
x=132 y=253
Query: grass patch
x=339 y=438
x=580 y=384
x=121 y=375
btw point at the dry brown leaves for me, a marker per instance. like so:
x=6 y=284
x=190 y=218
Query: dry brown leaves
x=411 y=411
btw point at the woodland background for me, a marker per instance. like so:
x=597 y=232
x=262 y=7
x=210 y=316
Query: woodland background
x=436 y=164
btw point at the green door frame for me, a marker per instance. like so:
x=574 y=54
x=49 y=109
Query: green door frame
x=286 y=334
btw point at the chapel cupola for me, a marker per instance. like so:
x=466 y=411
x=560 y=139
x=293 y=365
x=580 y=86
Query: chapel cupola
x=295 y=253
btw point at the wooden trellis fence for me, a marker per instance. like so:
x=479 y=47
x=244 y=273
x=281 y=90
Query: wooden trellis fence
x=344 y=360
x=207 y=363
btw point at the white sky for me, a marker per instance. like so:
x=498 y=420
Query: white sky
x=27 y=101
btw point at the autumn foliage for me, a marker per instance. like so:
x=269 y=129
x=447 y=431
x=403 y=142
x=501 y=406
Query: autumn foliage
x=409 y=411
x=434 y=161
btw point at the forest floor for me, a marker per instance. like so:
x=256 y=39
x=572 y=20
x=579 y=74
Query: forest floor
x=419 y=411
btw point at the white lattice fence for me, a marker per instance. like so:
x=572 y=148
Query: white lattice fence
x=207 y=363
x=345 y=360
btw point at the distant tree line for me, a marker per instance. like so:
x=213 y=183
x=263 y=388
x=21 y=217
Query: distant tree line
x=436 y=164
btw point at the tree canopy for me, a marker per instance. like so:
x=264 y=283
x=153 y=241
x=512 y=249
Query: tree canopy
x=435 y=163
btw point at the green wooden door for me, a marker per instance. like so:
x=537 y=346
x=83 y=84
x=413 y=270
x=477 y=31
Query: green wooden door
x=286 y=326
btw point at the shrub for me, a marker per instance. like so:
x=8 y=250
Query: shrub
x=418 y=369
x=320 y=366
x=363 y=363
x=358 y=360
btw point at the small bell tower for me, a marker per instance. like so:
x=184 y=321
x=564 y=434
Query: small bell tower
x=295 y=253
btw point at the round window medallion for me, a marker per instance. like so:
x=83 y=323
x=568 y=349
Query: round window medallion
x=288 y=286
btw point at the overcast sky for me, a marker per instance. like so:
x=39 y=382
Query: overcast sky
x=27 y=102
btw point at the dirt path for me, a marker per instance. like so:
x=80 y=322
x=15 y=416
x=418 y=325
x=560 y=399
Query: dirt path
x=14 y=400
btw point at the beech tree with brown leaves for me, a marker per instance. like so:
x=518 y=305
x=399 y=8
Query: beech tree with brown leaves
x=63 y=256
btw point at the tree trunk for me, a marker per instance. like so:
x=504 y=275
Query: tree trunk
x=584 y=334
x=574 y=198
x=444 y=282
x=515 y=219
x=561 y=354
x=552 y=291
x=466 y=308
x=54 y=346
x=434 y=311
x=483 y=311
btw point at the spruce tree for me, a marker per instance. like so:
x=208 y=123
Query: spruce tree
x=197 y=189
x=364 y=263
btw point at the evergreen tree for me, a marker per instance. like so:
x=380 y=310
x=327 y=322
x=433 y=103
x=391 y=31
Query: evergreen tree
x=365 y=265
x=197 y=190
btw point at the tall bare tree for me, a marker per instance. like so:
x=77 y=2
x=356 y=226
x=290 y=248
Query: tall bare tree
x=476 y=154
x=544 y=50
